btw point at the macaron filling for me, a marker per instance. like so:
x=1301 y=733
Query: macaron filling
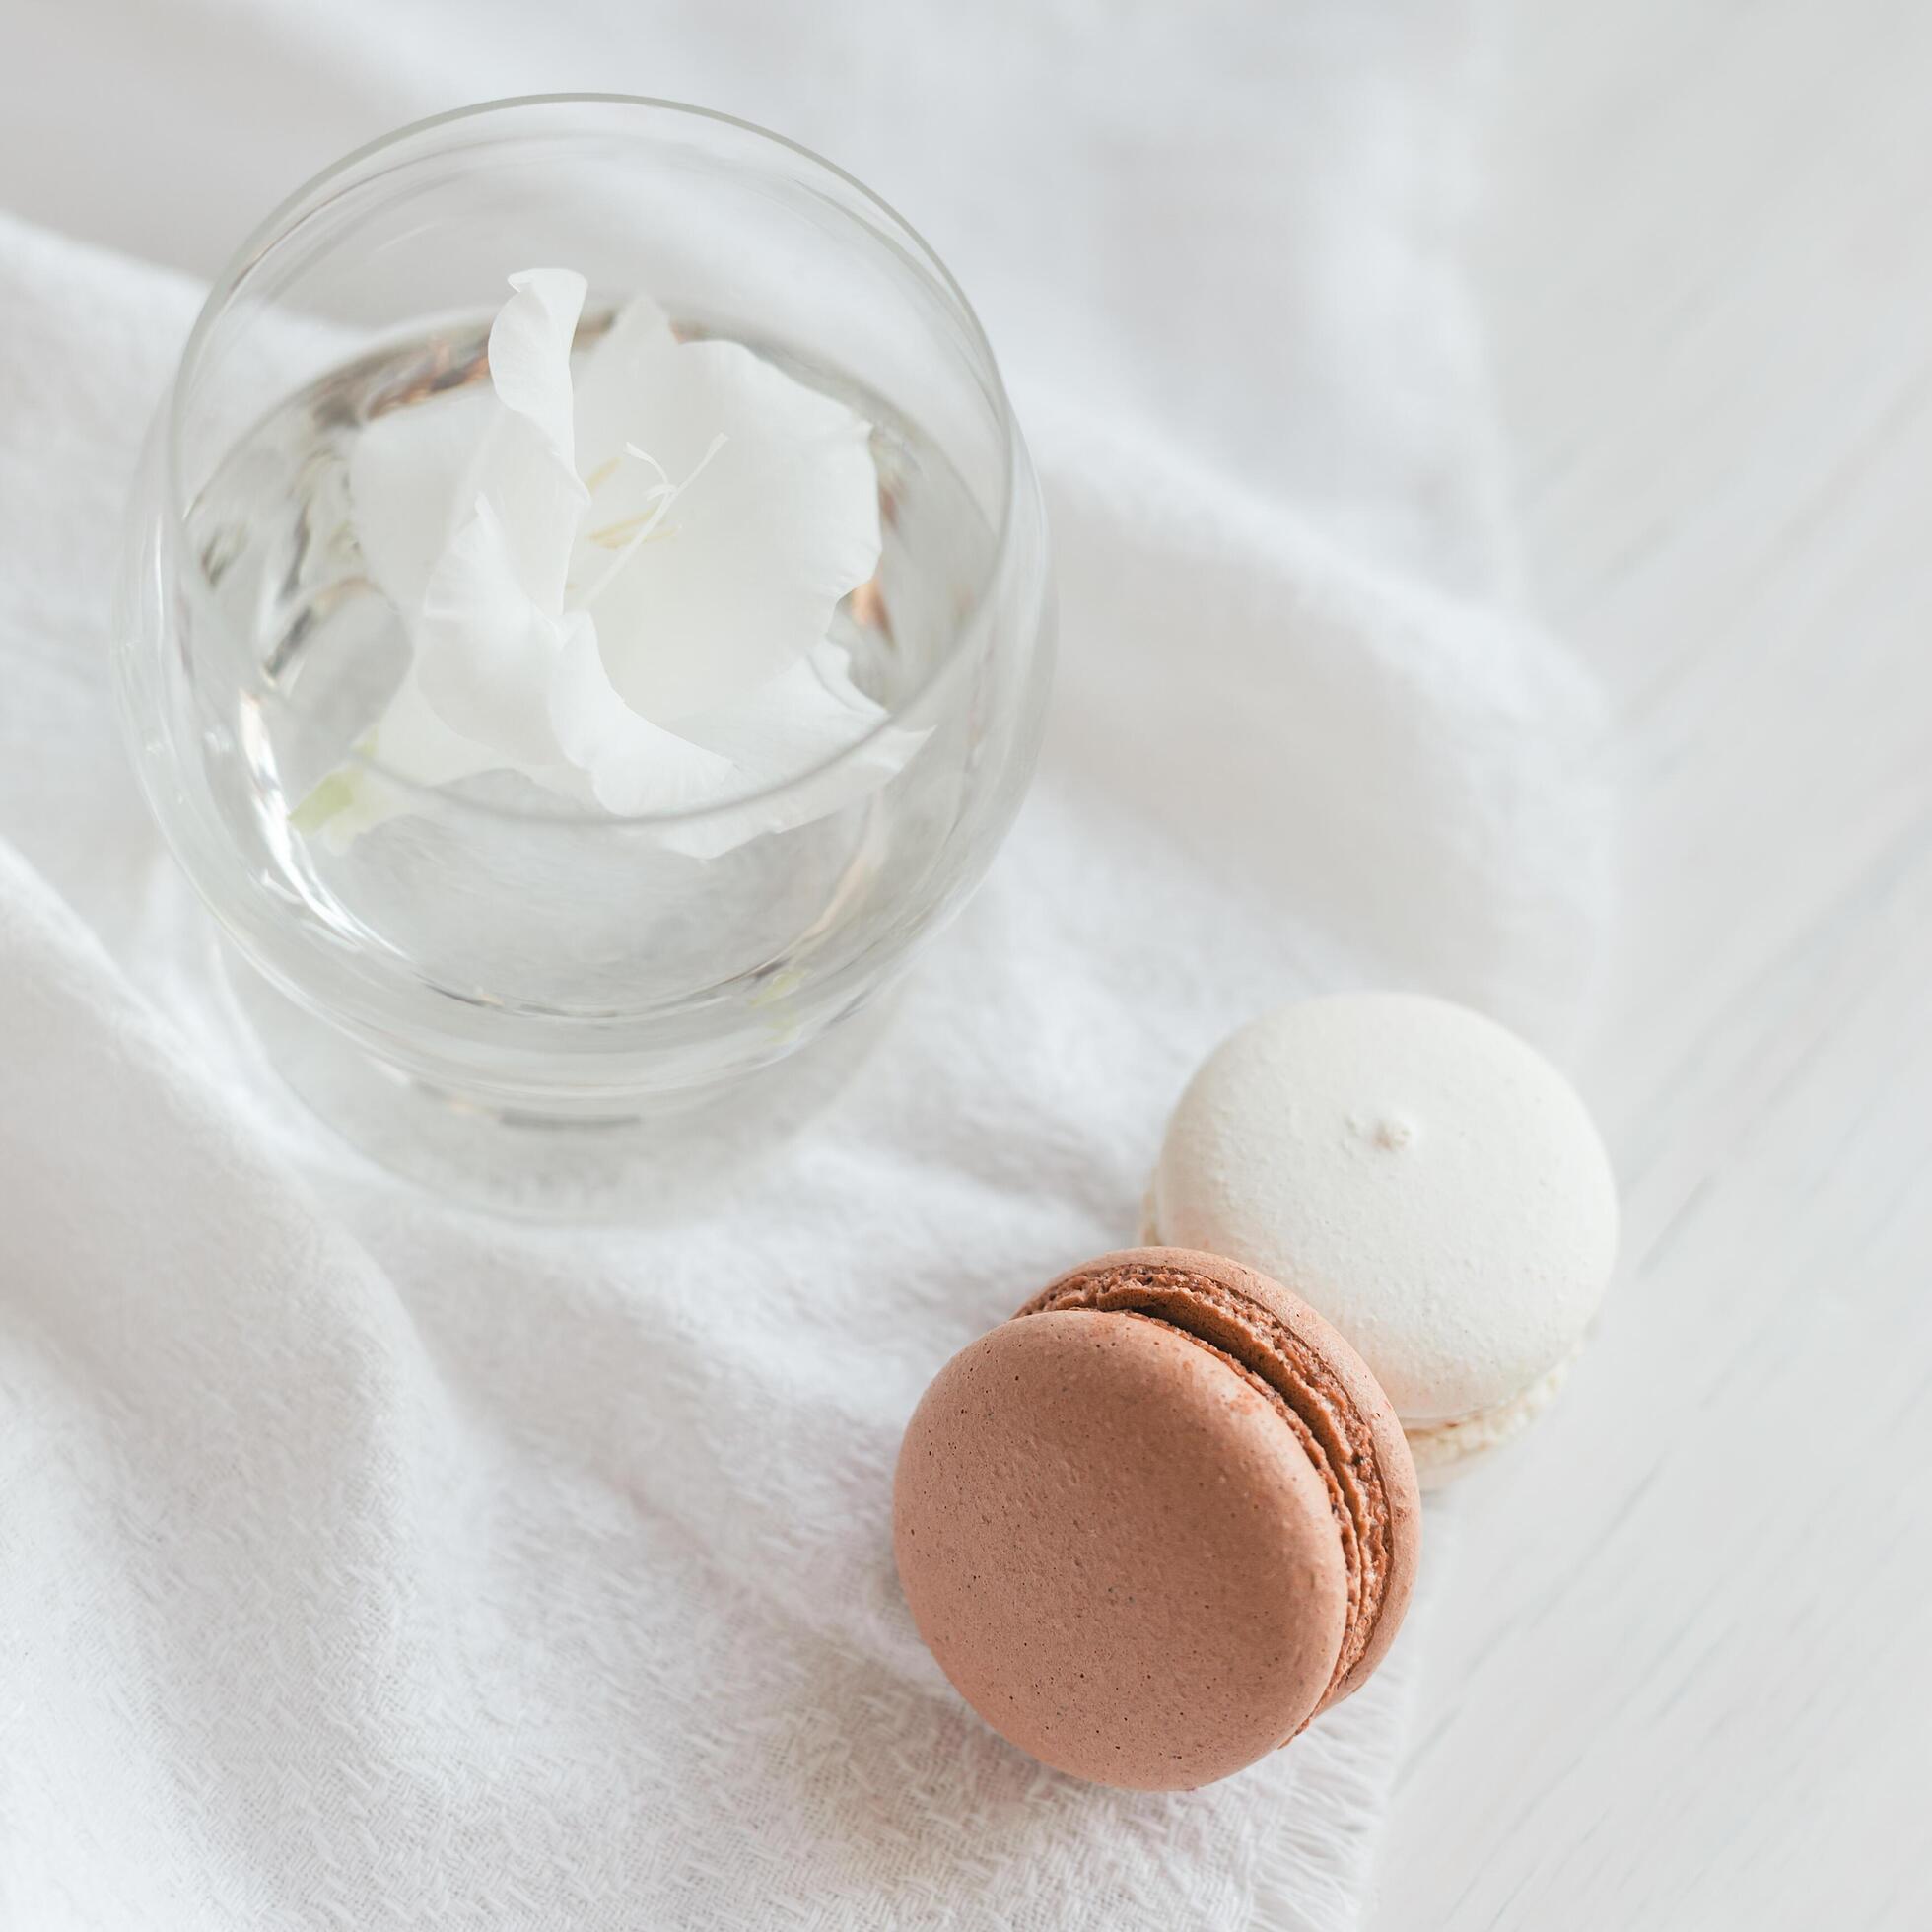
x=1442 y=1448
x=1256 y=1345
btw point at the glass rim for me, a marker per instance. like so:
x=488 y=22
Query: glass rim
x=310 y=195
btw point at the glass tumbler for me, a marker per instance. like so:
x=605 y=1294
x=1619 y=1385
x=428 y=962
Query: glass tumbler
x=506 y=994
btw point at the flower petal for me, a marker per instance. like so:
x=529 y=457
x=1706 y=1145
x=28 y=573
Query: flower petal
x=529 y=354
x=792 y=721
x=618 y=386
x=485 y=652
x=406 y=470
x=782 y=521
x=408 y=742
x=633 y=766
x=825 y=716
x=539 y=505
x=798 y=721
x=413 y=743
x=728 y=508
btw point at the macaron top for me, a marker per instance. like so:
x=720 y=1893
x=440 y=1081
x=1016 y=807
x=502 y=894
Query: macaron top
x=1157 y=1521
x=1415 y=1171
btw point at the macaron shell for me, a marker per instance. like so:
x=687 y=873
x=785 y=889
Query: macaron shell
x=1415 y=1171
x=1117 y=1552
x=1394 y=1476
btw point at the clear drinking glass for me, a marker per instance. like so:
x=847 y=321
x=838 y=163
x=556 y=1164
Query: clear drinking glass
x=501 y=992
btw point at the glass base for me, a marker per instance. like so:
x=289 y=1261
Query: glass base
x=660 y=1156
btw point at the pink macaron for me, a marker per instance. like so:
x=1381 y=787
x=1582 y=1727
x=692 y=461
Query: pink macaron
x=1157 y=1522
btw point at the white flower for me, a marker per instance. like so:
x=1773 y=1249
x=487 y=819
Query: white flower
x=623 y=593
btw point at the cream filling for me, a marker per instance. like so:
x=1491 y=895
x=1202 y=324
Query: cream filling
x=1442 y=1450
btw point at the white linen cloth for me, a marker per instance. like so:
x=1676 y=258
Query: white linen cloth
x=366 y=1563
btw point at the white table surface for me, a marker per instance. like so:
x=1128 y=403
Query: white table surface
x=1681 y=1677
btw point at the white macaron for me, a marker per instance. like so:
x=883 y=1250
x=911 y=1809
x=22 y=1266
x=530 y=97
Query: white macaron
x=1427 y=1181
